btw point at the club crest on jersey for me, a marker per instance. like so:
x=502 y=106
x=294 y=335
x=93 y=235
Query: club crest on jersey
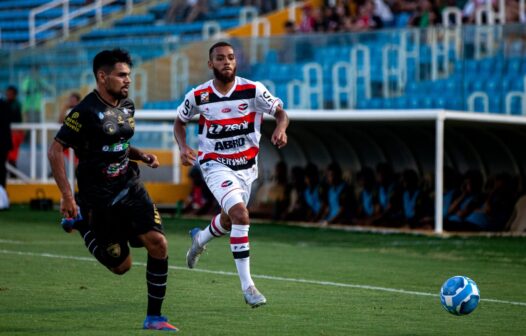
x=226 y=183
x=242 y=107
x=205 y=97
x=226 y=110
x=109 y=127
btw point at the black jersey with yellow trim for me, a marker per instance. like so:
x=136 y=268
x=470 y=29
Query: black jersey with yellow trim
x=100 y=134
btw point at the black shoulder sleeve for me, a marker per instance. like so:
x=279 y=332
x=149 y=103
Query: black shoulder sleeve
x=75 y=123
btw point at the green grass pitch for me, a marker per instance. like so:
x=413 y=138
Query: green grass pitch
x=317 y=282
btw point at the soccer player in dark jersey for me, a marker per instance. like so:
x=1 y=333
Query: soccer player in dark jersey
x=115 y=210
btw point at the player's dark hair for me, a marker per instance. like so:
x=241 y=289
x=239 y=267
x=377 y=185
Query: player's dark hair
x=107 y=59
x=217 y=45
x=12 y=88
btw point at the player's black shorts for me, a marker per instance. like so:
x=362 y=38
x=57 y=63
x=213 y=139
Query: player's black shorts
x=116 y=225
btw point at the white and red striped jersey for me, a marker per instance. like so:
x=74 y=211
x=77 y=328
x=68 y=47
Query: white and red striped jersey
x=229 y=125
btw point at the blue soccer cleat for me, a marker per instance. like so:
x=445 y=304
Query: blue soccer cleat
x=158 y=323
x=195 y=251
x=68 y=223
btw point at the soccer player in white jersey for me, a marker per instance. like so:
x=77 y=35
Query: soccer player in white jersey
x=231 y=111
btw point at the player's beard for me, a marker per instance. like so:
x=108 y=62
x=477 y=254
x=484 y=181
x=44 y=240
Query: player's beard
x=224 y=78
x=117 y=94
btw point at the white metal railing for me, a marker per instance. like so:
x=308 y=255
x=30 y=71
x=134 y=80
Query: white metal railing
x=66 y=17
x=478 y=95
x=39 y=140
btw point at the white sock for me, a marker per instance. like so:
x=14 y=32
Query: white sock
x=241 y=251
x=213 y=230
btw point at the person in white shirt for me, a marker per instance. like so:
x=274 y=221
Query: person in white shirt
x=231 y=111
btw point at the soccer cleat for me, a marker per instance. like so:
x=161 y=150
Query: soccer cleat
x=253 y=297
x=158 y=323
x=68 y=223
x=192 y=256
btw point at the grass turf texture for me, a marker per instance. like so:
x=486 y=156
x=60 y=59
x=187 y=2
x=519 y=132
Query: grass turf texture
x=43 y=294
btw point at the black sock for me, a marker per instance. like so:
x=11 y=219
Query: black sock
x=91 y=243
x=156 y=277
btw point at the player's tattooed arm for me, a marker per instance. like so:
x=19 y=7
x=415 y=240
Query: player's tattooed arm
x=279 y=137
x=68 y=206
x=188 y=154
x=150 y=159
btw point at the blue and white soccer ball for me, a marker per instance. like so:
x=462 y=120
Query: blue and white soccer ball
x=459 y=295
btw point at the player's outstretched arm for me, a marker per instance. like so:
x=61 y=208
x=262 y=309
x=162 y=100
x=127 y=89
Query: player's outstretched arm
x=279 y=137
x=188 y=154
x=150 y=159
x=55 y=154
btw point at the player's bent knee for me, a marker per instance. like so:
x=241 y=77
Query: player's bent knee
x=156 y=244
x=122 y=268
x=239 y=214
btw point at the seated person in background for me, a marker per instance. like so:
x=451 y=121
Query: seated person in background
x=497 y=209
x=297 y=209
x=416 y=204
x=451 y=188
x=389 y=195
x=471 y=198
x=337 y=209
x=200 y=201
x=313 y=193
x=271 y=200
x=368 y=207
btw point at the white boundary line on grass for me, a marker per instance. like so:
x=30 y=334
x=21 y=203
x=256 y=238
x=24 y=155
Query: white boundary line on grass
x=267 y=277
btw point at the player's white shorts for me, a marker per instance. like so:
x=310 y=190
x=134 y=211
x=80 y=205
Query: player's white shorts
x=227 y=187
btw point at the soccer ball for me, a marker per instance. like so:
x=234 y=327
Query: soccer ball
x=459 y=295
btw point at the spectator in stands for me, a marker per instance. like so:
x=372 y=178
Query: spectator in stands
x=14 y=109
x=338 y=202
x=368 y=207
x=200 y=201
x=366 y=19
x=309 y=21
x=313 y=193
x=34 y=87
x=297 y=209
x=289 y=27
x=469 y=13
x=426 y=15
x=73 y=100
x=415 y=202
x=5 y=140
x=271 y=199
x=187 y=11
x=471 y=198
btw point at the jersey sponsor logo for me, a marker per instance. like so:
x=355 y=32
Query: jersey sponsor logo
x=125 y=110
x=101 y=115
x=268 y=98
x=116 y=147
x=131 y=121
x=74 y=115
x=225 y=128
x=186 y=108
x=226 y=110
x=72 y=123
x=242 y=107
x=229 y=144
x=116 y=169
x=238 y=161
x=226 y=183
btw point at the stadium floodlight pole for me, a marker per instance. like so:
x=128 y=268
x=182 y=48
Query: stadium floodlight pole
x=439 y=170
